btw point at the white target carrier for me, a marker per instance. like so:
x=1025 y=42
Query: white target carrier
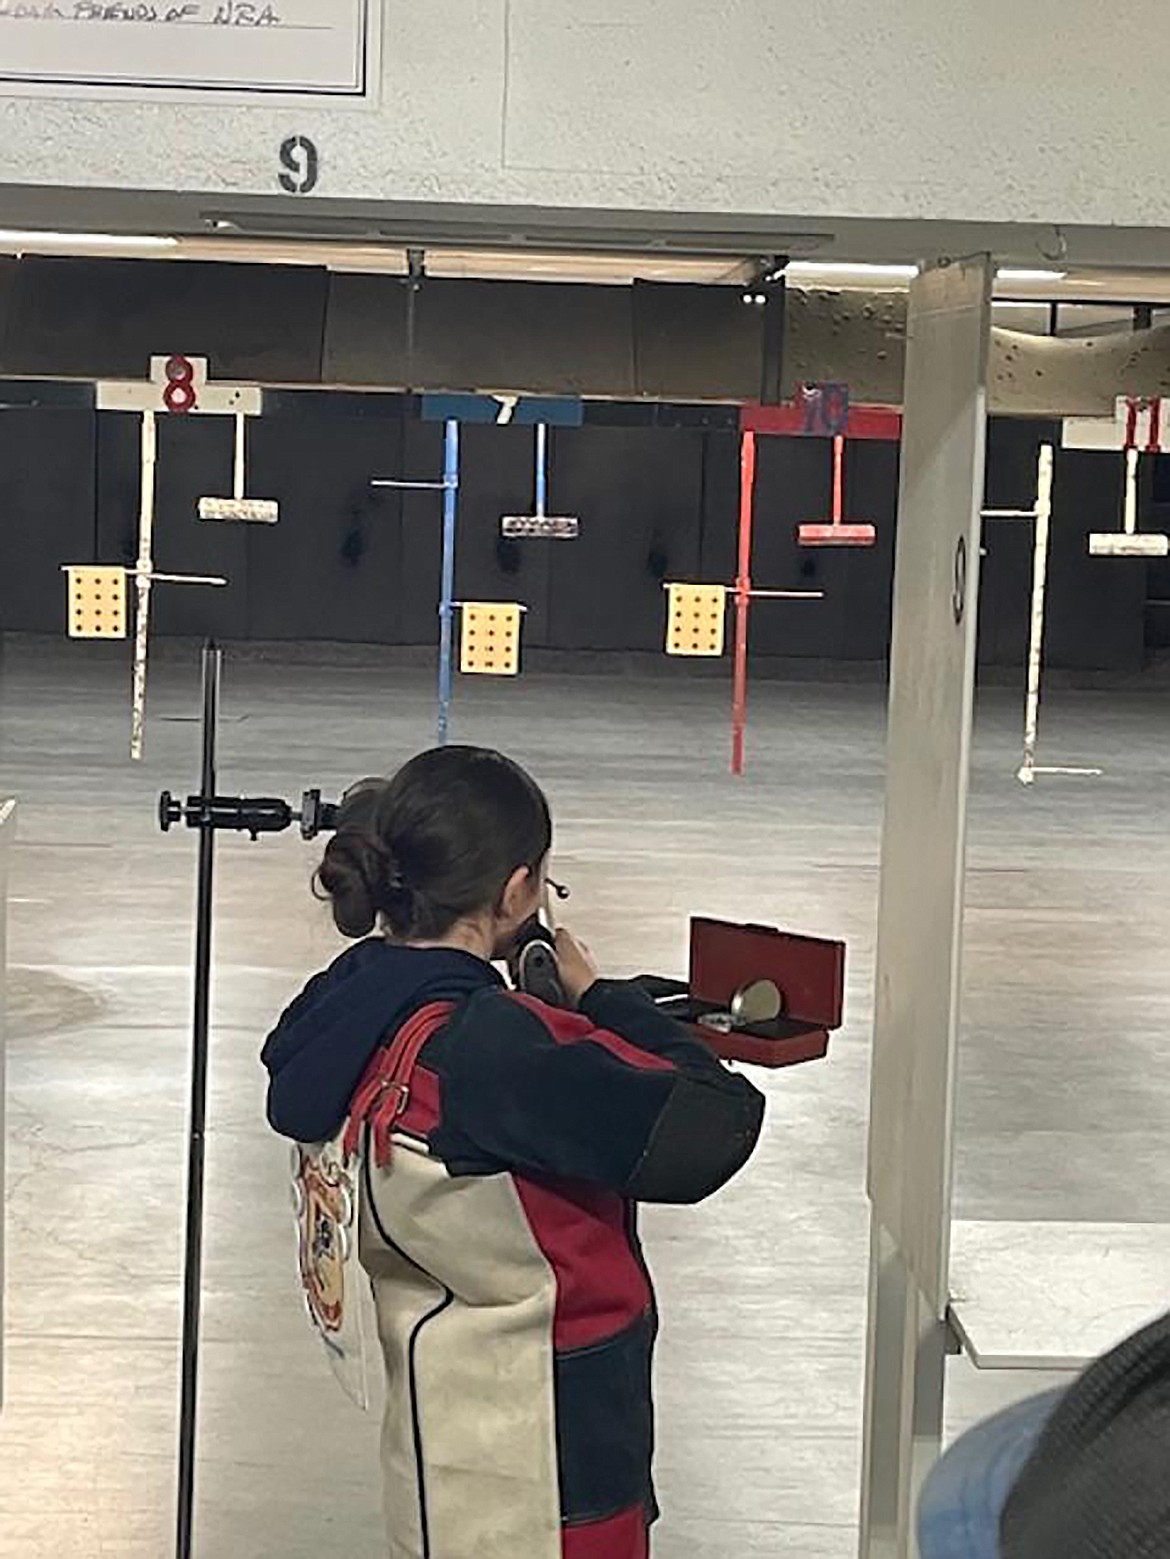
x=1140 y=426
x=178 y=386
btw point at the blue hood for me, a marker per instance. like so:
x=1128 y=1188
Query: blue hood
x=318 y=1051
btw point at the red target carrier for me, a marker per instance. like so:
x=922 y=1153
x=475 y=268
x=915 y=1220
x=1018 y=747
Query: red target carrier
x=837 y=532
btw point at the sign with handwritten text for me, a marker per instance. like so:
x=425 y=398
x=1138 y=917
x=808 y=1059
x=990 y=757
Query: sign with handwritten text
x=315 y=48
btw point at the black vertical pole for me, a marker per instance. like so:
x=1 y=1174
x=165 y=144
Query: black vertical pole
x=193 y=1256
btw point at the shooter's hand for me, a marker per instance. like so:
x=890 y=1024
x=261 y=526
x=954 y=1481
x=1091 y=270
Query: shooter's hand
x=577 y=966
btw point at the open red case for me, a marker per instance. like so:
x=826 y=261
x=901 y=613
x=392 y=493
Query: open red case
x=731 y=962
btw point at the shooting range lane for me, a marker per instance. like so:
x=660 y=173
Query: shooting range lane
x=1063 y=1106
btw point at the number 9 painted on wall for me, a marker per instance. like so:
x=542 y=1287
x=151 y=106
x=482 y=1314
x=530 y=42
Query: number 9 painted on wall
x=300 y=164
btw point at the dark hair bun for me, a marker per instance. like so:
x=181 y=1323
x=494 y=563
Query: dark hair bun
x=356 y=871
x=352 y=876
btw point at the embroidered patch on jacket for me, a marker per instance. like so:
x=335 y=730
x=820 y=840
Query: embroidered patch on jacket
x=325 y=1200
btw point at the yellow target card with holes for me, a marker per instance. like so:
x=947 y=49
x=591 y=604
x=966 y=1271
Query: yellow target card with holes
x=696 y=618
x=490 y=638
x=97 y=603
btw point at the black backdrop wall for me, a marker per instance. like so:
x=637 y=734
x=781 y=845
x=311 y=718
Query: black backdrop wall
x=347 y=562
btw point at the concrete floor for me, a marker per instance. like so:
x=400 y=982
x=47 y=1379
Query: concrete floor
x=1064 y=1106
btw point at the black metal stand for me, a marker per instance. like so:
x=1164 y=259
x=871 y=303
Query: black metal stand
x=208 y=812
x=193 y=1257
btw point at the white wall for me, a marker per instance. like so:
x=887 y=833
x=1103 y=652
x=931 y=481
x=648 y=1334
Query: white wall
x=985 y=110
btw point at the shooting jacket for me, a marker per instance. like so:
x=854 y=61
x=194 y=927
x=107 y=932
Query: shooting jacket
x=502 y=1148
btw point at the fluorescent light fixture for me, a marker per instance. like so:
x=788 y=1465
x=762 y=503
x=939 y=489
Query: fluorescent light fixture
x=800 y=270
x=20 y=238
x=1009 y=274
x=863 y=270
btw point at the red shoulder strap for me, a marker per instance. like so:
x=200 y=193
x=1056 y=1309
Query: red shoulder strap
x=384 y=1091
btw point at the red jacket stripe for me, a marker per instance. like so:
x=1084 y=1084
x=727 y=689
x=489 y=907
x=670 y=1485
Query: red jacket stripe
x=601 y=1286
x=626 y=1535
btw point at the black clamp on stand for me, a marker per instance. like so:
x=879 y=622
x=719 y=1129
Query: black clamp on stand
x=251 y=815
x=208 y=812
